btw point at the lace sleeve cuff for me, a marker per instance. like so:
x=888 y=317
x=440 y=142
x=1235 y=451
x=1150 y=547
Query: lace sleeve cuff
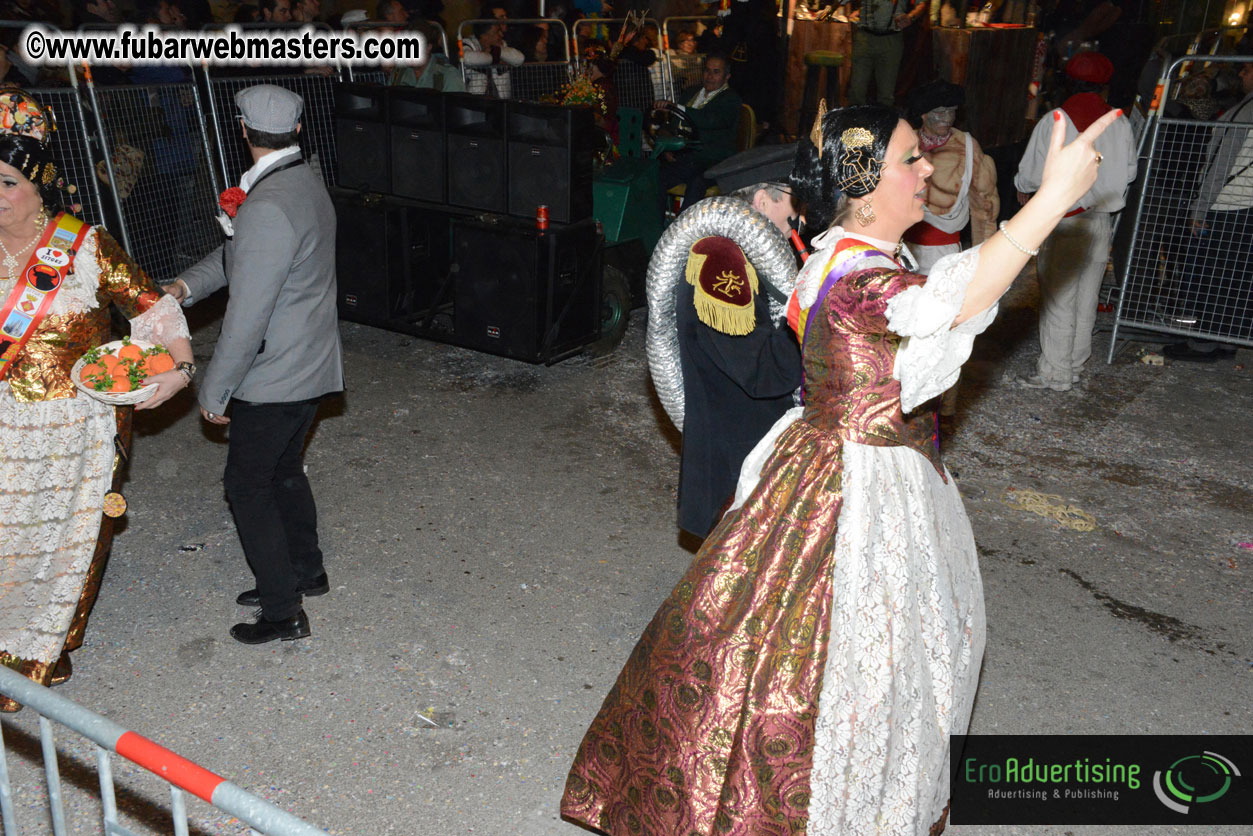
x=162 y=322
x=932 y=351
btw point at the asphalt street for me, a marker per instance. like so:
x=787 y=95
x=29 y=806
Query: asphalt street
x=498 y=534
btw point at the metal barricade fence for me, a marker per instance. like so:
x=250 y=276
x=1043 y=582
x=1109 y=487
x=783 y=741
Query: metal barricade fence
x=1186 y=270
x=317 y=133
x=72 y=149
x=182 y=776
x=637 y=82
x=372 y=76
x=538 y=81
x=529 y=81
x=162 y=174
x=683 y=68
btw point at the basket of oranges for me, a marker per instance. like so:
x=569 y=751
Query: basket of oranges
x=114 y=372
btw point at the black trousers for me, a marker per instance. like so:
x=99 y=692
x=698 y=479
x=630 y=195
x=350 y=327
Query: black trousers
x=687 y=170
x=1217 y=283
x=271 y=500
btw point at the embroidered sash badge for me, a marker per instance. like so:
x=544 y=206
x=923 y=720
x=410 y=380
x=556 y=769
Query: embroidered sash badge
x=37 y=285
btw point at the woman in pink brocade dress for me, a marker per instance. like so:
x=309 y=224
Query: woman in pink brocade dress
x=805 y=674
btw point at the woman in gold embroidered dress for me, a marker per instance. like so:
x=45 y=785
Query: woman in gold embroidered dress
x=805 y=674
x=56 y=445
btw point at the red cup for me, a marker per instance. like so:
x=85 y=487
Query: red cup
x=541 y=217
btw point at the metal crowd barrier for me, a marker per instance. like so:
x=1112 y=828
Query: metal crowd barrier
x=371 y=75
x=636 y=85
x=532 y=81
x=317 y=132
x=182 y=776
x=149 y=160
x=161 y=174
x=1186 y=269
x=72 y=148
x=684 y=69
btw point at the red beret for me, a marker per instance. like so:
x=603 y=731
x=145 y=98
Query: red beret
x=1092 y=67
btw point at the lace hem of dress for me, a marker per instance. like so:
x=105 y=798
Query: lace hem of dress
x=163 y=322
x=932 y=351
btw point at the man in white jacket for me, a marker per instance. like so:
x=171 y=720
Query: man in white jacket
x=1073 y=258
x=487 y=58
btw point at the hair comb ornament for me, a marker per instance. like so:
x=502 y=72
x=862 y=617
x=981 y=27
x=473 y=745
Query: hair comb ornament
x=859 y=170
x=815 y=132
x=855 y=138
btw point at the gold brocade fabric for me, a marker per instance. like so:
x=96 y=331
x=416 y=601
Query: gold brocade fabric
x=851 y=391
x=42 y=371
x=710 y=726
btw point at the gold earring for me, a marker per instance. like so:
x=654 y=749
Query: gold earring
x=865 y=214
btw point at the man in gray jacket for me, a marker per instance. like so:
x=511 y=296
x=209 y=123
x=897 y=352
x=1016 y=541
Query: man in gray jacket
x=277 y=356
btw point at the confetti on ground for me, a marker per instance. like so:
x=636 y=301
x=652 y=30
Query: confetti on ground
x=1051 y=506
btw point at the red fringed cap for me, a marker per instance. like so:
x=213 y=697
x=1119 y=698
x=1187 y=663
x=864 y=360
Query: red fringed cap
x=725 y=284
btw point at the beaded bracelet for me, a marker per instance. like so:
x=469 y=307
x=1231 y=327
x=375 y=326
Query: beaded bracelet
x=1013 y=243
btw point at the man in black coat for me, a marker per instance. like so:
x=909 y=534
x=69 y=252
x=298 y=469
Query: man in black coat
x=739 y=368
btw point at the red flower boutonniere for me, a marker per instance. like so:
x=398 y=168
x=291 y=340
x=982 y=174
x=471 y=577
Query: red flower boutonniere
x=231 y=199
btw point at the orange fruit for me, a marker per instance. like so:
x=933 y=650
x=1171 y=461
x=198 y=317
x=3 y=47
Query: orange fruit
x=130 y=352
x=121 y=383
x=91 y=370
x=158 y=363
x=109 y=361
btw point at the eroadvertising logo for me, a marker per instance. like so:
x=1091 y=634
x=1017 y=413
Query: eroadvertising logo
x=1209 y=772
x=1100 y=779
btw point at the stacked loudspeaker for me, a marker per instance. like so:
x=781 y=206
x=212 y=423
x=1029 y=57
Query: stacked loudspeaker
x=427 y=184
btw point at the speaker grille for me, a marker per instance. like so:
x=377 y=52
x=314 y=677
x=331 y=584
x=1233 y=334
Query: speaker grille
x=476 y=173
x=362 y=150
x=418 y=157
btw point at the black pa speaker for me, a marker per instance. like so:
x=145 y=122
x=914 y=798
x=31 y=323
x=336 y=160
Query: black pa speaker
x=389 y=258
x=475 y=127
x=418 y=151
x=361 y=137
x=550 y=161
x=525 y=294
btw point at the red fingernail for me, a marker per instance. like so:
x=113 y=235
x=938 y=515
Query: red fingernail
x=1120 y=111
x=1057 y=116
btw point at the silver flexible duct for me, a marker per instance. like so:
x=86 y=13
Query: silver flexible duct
x=730 y=217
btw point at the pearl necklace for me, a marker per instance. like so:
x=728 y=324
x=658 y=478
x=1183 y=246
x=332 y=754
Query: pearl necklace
x=10 y=259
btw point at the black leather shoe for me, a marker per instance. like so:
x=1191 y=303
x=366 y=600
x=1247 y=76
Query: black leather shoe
x=264 y=630
x=318 y=586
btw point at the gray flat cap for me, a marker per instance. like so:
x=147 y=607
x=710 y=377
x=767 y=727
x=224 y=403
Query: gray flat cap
x=764 y=164
x=269 y=108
